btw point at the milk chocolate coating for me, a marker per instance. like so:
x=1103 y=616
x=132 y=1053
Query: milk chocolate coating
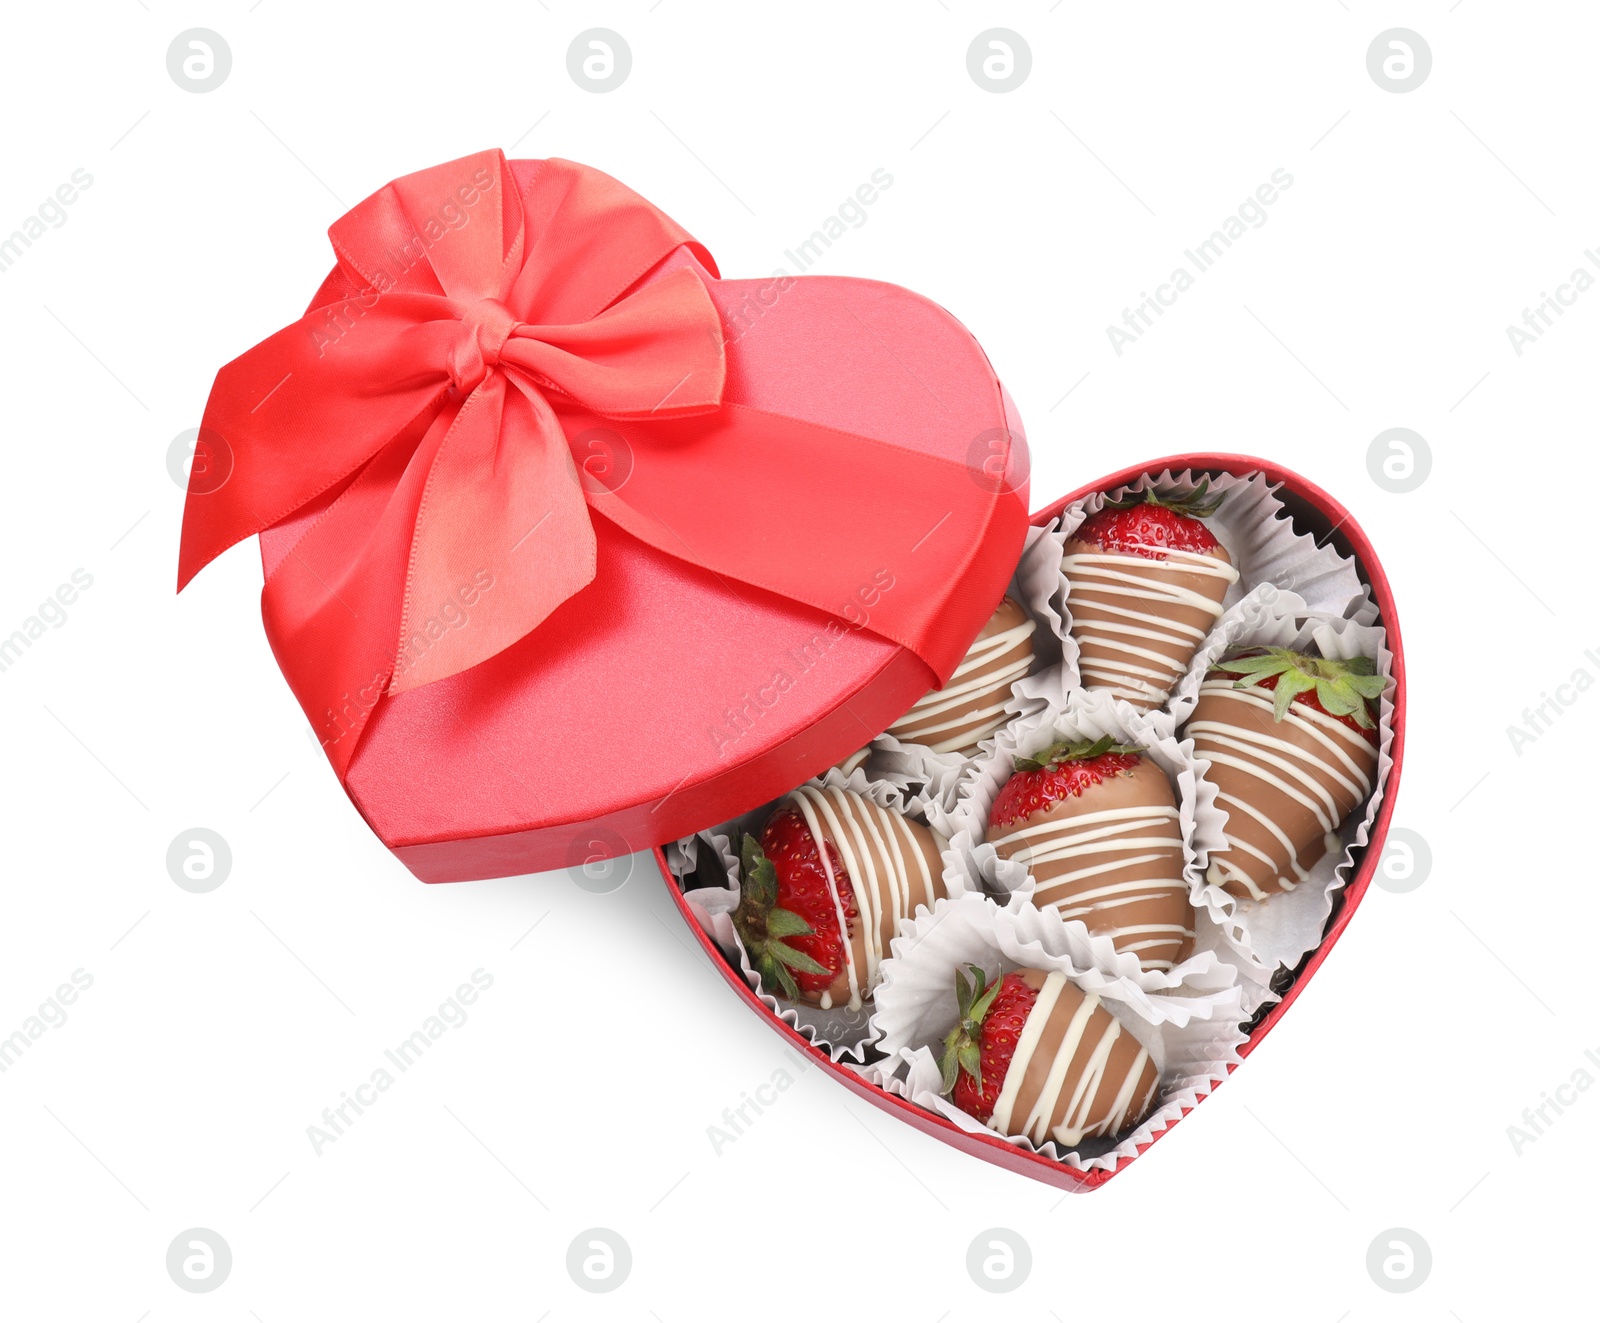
x=1285 y=785
x=1131 y=867
x=971 y=707
x=892 y=867
x=1136 y=634
x=1108 y=1082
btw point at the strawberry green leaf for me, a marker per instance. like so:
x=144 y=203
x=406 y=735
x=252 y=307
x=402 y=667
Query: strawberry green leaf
x=960 y=1044
x=794 y=959
x=1337 y=702
x=1290 y=684
x=948 y=1066
x=773 y=970
x=1065 y=751
x=786 y=923
x=980 y=1008
x=760 y=877
x=1345 y=687
x=1192 y=502
x=970 y=1060
x=965 y=991
x=1270 y=663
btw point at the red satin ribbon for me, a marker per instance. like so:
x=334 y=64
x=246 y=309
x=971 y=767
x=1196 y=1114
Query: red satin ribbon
x=477 y=326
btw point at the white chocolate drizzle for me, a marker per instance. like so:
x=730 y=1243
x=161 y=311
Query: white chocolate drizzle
x=1122 y=575
x=1287 y=768
x=885 y=868
x=1107 y=831
x=1078 y=1118
x=945 y=720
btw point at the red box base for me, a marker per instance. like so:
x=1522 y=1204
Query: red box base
x=1312 y=508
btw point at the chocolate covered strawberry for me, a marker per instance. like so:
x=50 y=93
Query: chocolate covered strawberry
x=825 y=890
x=1096 y=824
x=1033 y=1055
x=1145 y=583
x=972 y=705
x=1292 y=743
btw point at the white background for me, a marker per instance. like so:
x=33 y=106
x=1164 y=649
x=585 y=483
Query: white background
x=579 y=1092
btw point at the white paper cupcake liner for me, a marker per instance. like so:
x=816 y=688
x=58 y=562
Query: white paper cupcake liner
x=1087 y=714
x=1193 y=1037
x=916 y=770
x=1037 y=585
x=1283 y=928
x=841 y=1032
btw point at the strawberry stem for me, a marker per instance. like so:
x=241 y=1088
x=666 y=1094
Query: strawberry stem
x=973 y=999
x=1071 y=751
x=762 y=924
x=1193 y=502
x=1345 y=687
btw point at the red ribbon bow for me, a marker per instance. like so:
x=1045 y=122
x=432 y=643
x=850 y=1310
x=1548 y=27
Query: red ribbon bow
x=418 y=424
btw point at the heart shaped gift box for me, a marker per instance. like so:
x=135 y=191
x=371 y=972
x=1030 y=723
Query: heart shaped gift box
x=531 y=480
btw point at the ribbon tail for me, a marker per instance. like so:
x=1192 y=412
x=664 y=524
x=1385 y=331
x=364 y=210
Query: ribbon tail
x=502 y=536
x=333 y=602
x=304 y=410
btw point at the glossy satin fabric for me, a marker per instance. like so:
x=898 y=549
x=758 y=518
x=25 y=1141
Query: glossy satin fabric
x=478 y=328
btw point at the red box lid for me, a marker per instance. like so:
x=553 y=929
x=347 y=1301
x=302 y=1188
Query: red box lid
x=664 y=697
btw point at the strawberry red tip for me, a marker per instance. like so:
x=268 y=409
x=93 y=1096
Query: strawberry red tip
x=1063 y=770
x=1155 y=522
